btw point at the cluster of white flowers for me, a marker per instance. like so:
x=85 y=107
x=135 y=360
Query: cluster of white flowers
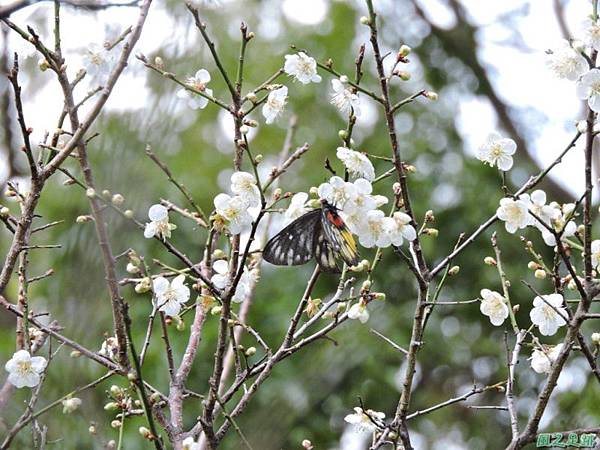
x=343 y=98
x=542 y=359
x=25 y=370
x=568 y=62
x=159 y=225
x=359 y=210
x=169 y=297
x=364 y=421
x=221 y=280
x=197 y=82
x=497 y=151
x=493 y=305
x=532 y=210
x=232 y=210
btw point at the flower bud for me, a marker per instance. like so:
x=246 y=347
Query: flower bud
x=572 y=285
x=404 y=51
x=581 y=229
x=433 y=96
x=154 y=398
x=532 y=265
x=366 y=286
x=145 y=432
x=258 y=159
x=596 y=338
x=143 y=286
x=252 y=96
x=115 y=424
x=216 y=310
x=306 y=444
x=454 y=270
x=90 y=192
x=516 y=308
x=489 y=261
x=43 y=64
x=111 y=406
x=313 y=190
x=341 y=307
x=117 y=199
x=116 y=391
x=4 y=212
x=429 y=217
x=83 y=219
x=111 y=445
x=106 y=193
x=218 y=254
x=250 y=35
x=129 y=214
x=581 y=126
x=131 y=376
x=379 y=296
x=251 y=123
x=244 y=129
x=433 y=232
x=159 y=63
x=70 y=405
x=403 y=74
x=251 y=351
x=132 y=268
x=343 y=134
x=540 y=274
x=344 y=78
x=231 y=323
x=92 y=429
x=180 y=324
x=75 y=354
x=365 y=20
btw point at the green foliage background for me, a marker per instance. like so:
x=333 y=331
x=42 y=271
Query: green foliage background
x=308 y=395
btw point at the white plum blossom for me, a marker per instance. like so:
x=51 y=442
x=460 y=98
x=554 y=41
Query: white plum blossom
x=337 y=192
x=542 y=360
x=375 y=230
x=493 y=305
x=190 y=444
x=588 y=88
x=596 y=253
x=198 y=82
x=234 y=211
x=545 y=213
x=302 y=67
x=566 y=62
x=497 y=151
x=359 y=311
x=221 y=280
x=24 y=370
x=357 y=163
x=343 y=98
x=297 y=206
x=244 y=185
x=561 y=223
x=168 y=297
x=109 y=348
x=275 y=104
x=159 y=225
x=401 y=229
x=548 y=315
x=97 y=61
x=591 y=34
x=364 y=420
x=514 y=213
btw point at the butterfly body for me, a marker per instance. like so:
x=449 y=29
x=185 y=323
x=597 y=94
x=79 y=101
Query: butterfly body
x=320 y=233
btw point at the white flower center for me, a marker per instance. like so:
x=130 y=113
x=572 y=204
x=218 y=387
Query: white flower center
x=497 y=150
x=514 y=213
x=24 y=367
x=96 y=58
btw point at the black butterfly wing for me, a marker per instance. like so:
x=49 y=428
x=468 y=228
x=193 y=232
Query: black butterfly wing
x=324 y=252
x=294 y=245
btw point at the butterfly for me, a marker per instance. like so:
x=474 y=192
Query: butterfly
x=320 y=233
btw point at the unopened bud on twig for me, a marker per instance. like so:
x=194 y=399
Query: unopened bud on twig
x=404 y=51
x=117 y=199
x=489 y=261
x=106 y=193
x=244 y=129
x=145 y=433
x=540 y=274
x=90 y=192
x=402 y=74
x=306 y=444
x=115 y=424
x=433 y=232
x=83 y=219
x=111 y=406
x=454 y=270
x=251 y=351
x=365 y=20
x=433 y=96
x=343 y=134
x=596 y=338
x=4 y=212
x=366 y=286
x=216 y=310
x=128 y=213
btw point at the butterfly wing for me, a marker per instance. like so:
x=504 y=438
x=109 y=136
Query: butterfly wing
x=294 y=245
x=339 y=237
x=324 y=253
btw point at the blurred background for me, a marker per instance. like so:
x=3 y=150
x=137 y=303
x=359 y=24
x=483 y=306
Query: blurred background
x=486 y=61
